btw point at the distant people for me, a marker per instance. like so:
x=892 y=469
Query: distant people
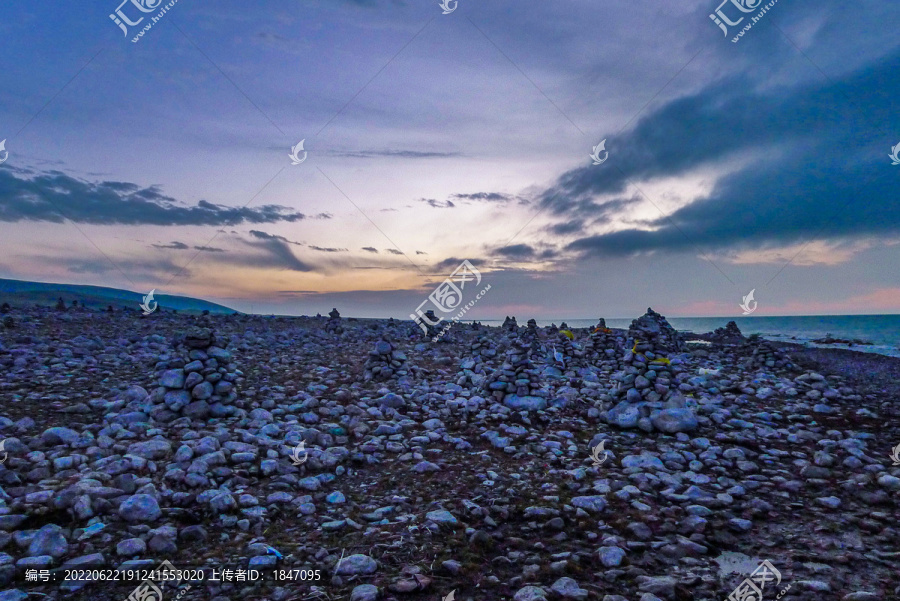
x=60 y=304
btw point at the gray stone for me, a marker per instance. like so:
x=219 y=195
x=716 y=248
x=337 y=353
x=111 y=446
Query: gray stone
x=59 y=435
x=202 y=391
x=624 y=415
x=441 y=516
x=524 y=403
x=530 y=593
x=131 y=546
x=364 y=592
x=151 y=449
x=664 y=586
x=172 y=378
x=675 y=420
x=590 y=503
x=49 y=540
x=568 y=589
x=139 y=508
x=355 y=565
x=611 y=557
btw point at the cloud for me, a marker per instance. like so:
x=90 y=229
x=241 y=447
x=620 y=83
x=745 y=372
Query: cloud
x=489 y=197
x=277 y=253
x=419 y=252
x=328 y=250
x=775 y=182
x=209 y=249
x=173 y=245
x=393 y=251
x=52 y=196
x=267 y=236
x=437 y=204
x=399 y=154
x=370 y=249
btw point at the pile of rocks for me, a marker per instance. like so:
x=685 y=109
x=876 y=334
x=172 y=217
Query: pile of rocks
x=510 y=323
x=333 y=324
x=477 y=365
x=647 y=385
x=385 y=361
x=517 y=383
x=653 y=328
x=761 y=353
x=198 y=381
x=574 y=355
x=729 y=334
x=604 y=348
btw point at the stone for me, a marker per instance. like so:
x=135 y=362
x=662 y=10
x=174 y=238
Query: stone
x=530 y=593
x=364 y=592
x=139 y=508
x=568 y=589
x=49 y=540
x=524 y=403
x=356 y=565
x=672 y=421
x=130 y=547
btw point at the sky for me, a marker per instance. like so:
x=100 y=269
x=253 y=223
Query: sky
x=428 y=139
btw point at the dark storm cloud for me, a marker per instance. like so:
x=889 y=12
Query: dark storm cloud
x=53 y=195
x=815 y=165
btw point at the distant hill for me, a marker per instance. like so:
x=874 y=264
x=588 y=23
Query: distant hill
x=22 y=293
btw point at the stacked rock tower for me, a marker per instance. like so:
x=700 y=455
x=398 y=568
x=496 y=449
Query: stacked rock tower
x=198 y=381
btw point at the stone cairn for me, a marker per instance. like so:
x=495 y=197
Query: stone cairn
x=432 y=331
x=647 y=382
x=384 y=362
x=573 y=354
x=198 y=381
x=517 y=383
x=510 y=324
x=474 y=368
x=730 y=333
x=762 y=353
x=604 y=348
x=333 y=325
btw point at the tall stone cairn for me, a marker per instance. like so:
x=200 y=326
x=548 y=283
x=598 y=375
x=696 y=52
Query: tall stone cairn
x=333 y=324
x=517 y=383
x=198 y=381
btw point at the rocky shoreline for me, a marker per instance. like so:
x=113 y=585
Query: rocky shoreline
x=469 y=466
